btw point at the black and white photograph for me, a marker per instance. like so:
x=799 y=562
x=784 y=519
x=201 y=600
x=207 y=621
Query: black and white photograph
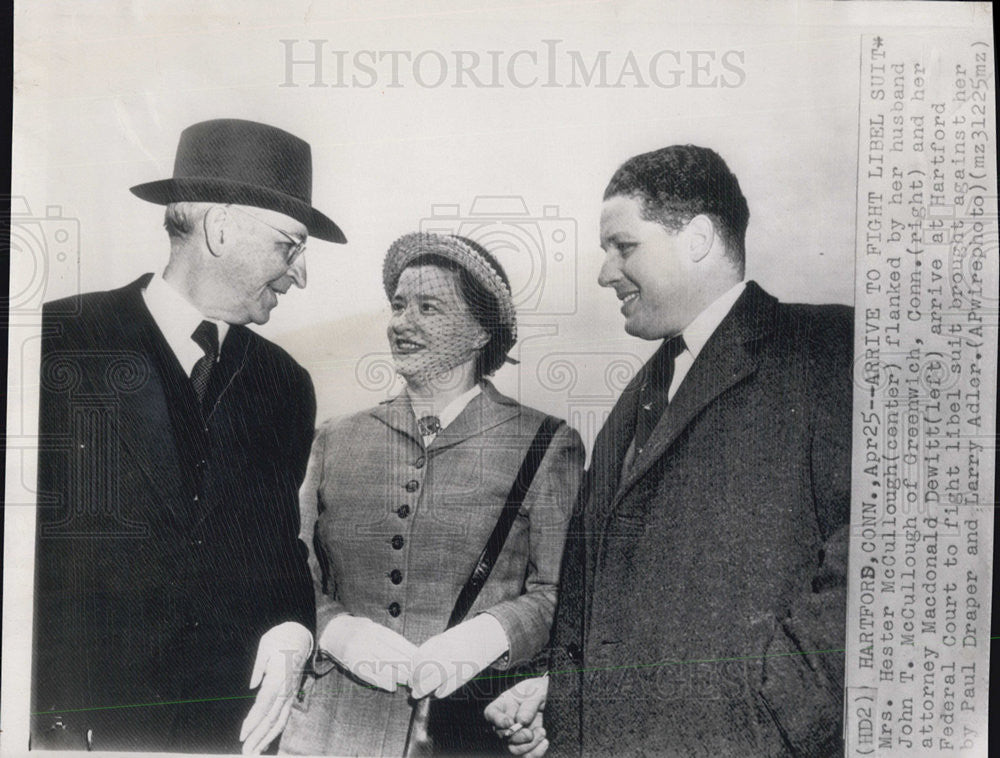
x=456 y=379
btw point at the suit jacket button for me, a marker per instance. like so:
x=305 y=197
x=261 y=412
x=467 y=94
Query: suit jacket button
x=397 y=542
x=419 y=463
x=412 y=485
x=403 y=511
x=394 y=609
x=574 y=652
x=395 y=576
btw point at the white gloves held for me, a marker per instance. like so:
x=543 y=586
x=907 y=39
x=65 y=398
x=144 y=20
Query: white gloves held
x=373 y=653
x=450 y=659
x=383 y=658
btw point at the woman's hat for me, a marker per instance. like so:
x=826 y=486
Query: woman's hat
x=245 y=163
x=466 y=254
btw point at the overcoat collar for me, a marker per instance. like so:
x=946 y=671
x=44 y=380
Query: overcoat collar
x=730 y=355
x=146 y=428
x=486 y=410
x=151 y=420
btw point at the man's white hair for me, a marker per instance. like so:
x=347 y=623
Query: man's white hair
x=181 y=219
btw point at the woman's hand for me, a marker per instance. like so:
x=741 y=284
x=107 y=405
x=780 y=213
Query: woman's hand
x=281 y=658
x=450 y=659
x=373 y=653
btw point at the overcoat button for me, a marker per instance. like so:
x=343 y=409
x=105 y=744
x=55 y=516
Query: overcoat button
x=396 y=576
x=394 y=609
x=403 y=511
x=397 y=542
x=412 y=485
x=419 y=463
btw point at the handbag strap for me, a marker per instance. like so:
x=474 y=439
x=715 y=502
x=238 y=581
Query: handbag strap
x=488 y=557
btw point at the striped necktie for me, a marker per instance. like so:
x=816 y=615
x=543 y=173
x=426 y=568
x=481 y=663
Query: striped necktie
x=206 y=336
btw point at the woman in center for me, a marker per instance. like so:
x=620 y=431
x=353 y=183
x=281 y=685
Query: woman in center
x=398 y=505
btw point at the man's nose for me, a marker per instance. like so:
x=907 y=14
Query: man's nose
x=298 y=271
x=610 y=273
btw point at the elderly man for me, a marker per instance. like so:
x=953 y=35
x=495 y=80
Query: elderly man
x=174 y=441
x=702 y=599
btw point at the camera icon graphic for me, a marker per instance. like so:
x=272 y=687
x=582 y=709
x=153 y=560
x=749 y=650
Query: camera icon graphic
x=538 y=252
x=45 y=255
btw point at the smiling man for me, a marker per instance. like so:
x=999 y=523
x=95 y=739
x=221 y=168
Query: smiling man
x=174 y=440
x=702 y=601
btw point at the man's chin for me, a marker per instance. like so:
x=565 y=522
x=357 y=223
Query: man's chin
x=644 y=331
x=259 y=317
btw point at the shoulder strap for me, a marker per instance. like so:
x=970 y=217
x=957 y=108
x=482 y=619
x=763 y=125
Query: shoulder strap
x=532 y=461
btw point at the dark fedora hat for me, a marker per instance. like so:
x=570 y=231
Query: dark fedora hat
x=245 y=163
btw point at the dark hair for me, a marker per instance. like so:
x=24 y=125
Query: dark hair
x=677 y=183
x=482 y=303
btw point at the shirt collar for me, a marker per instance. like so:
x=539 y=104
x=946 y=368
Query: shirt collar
x=698 y=332
x=451 y=411
x=177 y=318
x=456 y=406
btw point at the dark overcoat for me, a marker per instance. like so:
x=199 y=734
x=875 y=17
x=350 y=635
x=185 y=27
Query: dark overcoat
x=702 y=604
x=166 y=537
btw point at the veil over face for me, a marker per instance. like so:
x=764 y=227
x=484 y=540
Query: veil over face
x=432 y=330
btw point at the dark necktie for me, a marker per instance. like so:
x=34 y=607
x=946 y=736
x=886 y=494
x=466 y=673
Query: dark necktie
x=428 y=425
x=206 y=336
x=654 y=394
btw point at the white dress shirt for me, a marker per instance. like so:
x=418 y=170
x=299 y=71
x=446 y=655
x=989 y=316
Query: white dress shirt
x=177 y=318
x=698 y=332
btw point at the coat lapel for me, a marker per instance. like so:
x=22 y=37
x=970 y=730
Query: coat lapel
x=611 y=446
x=486 y=410
x=145 y=427
x=728 y=358
x=397 y=414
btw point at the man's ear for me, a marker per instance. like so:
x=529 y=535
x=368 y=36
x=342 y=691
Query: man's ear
x=214 y=222
x=699 y=237
x=482 y=339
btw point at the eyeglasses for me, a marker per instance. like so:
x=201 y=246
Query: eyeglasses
x=298 y=243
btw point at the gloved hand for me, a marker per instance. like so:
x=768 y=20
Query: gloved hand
x=450 y=659
x=281 y=658
x=371 y=652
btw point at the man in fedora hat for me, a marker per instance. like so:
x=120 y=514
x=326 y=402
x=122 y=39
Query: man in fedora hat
x=174 y=441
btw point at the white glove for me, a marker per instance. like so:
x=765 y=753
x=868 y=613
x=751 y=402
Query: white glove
x=281 y=658
x=372 y=652
x=450 y=659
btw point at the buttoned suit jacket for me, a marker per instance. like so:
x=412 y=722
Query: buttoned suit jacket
x=364 y=469
x=702 y=603
x=166 y=537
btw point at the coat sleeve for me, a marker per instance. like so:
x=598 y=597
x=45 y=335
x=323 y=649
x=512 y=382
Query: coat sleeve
x=803 y=666
x=302 y=428
x=310 y=506
x=527 y=619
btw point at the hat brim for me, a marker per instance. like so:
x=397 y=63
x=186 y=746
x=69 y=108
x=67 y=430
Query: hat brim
x=211 y=190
